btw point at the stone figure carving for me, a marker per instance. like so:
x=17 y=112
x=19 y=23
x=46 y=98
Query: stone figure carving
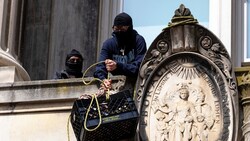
x=202 y=107
x=161 y=112
x=201 y=128
x=187 y=119
x=205 y=119
x=183 y=117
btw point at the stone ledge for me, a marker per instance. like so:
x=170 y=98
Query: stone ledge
x=33 y=107
x=35 y=91
x=44 y=95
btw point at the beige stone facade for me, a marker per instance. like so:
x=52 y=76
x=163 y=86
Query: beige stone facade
x=170 y=91
x=39 y=110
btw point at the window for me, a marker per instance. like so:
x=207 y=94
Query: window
x=150 y=17
x=247 y=31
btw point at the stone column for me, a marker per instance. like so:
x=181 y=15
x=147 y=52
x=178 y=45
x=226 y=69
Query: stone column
x=107 y=13
x=243 y=79
x=10 y=19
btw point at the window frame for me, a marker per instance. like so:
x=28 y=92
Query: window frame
x=245 y=31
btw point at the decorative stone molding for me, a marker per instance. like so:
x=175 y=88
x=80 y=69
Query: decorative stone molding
x=243 y=79
x=7 y=60
x=186 y=89
x=14 y=96
x=10 y=37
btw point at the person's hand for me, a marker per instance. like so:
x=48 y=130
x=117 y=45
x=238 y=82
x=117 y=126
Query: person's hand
x=110 y=65
x=85 y=96
x=106 y=84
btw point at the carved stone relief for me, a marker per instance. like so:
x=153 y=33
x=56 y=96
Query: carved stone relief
x=243 y=79
x=186 y=89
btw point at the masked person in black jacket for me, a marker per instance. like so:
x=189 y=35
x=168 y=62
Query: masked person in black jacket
x=73 y=66
x=123 y=53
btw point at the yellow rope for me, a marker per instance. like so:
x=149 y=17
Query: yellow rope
x=108 y=92
x=99 y=114
x=68 y=128
x=185 y=20
x=95 y=79
x=92 y=99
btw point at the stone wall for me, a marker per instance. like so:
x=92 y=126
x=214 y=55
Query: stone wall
x=51 y=28
x=39 y=110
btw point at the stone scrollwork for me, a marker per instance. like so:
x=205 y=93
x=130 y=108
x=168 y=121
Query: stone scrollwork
x=218 y=54
x=146 y=69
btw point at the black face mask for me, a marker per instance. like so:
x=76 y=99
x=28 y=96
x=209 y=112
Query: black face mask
x=123 y=37
x=74 y=68
x=122 y=34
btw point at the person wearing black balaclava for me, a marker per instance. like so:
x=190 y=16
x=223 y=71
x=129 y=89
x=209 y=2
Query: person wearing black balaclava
x=73 y=66
x=122 y=53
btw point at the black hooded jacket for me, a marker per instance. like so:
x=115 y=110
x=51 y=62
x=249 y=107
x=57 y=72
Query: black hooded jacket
x=72 y=70
x=126 y=48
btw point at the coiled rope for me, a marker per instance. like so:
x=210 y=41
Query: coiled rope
x=94 y=97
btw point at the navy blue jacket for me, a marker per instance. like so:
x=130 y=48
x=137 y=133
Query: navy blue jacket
x=127 y=64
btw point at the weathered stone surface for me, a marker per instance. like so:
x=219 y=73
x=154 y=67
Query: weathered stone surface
x=7 y=74
x=52 y=28
x=186 y=89
x=243 y=79
x=39 y=110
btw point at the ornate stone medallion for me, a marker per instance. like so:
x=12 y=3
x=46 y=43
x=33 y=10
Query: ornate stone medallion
x=186 y=89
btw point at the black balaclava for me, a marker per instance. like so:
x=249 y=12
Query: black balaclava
x=128 y=37
x=74 y=68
